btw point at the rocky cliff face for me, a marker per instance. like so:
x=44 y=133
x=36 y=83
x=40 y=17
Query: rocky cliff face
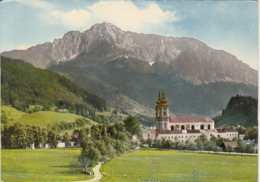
x=187 y=58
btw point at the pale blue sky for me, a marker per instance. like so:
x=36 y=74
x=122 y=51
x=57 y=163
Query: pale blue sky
x=228 y=25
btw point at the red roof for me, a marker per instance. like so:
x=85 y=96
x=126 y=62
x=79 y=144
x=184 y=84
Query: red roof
x=189 y=119
x=193 y=131
x=171 y=132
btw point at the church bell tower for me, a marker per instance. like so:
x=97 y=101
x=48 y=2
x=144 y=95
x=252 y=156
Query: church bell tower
x=162 y=113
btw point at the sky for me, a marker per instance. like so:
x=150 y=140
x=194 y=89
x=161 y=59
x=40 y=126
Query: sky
x=226 y=25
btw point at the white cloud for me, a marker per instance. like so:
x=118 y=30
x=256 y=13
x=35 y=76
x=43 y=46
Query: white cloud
x=73 y=19
x=37 y=4
x=124 y=14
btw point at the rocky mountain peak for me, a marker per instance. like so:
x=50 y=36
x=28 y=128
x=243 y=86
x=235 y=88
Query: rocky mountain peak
x=189 y=58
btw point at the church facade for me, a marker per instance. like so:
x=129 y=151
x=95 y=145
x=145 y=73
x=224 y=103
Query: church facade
x=185 y=127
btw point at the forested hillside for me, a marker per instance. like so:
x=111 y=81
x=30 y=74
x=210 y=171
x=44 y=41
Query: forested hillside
x=23 y=85
x=240 y=110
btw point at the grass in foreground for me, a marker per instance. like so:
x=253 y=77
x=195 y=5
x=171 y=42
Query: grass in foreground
x=40 y=165
x=179 y=166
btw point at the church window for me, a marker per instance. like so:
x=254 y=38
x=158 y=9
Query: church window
x=172 y=127
x=192 y=127
x=182 y=127
x=164 y=112
x=209 y=127
x=202 y=127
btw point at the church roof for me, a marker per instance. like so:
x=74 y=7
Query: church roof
x=189 y=119
x=226 y=130
x=193 y=131
x=171 y=132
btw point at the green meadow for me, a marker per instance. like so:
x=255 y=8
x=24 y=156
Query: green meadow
x=40 y=165
x=41 y=118
x=179 y=166
x=12 y=113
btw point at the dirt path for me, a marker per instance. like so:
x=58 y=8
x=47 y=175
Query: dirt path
x=97 y=173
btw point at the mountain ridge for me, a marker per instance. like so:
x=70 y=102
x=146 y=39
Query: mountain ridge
x=179 y=53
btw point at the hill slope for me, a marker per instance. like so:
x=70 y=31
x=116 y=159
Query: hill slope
x=240 y=110
x=22 y=85
x=138 y=81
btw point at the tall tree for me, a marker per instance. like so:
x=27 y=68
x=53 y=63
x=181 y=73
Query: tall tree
x=199 y=144
x=88 y=155
x=132 y=125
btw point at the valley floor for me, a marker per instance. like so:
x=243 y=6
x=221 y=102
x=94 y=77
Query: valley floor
x=179 y=166
x=166 y=165
x=41 y=165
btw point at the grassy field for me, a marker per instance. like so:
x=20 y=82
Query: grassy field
x=179 y=166
x=40 y=165
x=41 y=118
x=12 y=113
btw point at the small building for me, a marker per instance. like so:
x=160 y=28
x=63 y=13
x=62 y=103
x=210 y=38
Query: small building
x=253 y=142
x=241 y=136
x=63 y=110
x=149 y=134
x=74 y=141
x=76 y=133
x=60 y=144
x=224 y=145
x=228 y=133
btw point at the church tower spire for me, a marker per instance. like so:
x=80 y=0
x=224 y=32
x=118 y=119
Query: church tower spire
x=162 y=113
x=159 y=99
x=163 y=101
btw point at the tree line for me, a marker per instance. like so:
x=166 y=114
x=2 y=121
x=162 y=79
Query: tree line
x=201 y=143
x=20 y=136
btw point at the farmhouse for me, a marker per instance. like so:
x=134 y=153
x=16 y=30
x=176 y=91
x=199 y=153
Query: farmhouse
x=185 y=127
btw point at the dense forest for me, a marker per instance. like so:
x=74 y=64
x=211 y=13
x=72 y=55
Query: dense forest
x=240 y=110
x=23 y=85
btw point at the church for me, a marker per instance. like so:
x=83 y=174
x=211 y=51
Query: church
x=185 y=127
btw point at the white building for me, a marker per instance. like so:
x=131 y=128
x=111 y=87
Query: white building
x=185 y=127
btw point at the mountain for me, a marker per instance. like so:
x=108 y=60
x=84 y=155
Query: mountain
x=240 y=110
x=198 y=80
x=104 y=42
x=143 y=85
x=23 y=85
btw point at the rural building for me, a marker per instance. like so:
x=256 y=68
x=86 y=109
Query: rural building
x=60 y=144
x=76 y=133
x=253 y=142
x=185 y=127
x=73 y=141
x=149 y=134
x=225 y=144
